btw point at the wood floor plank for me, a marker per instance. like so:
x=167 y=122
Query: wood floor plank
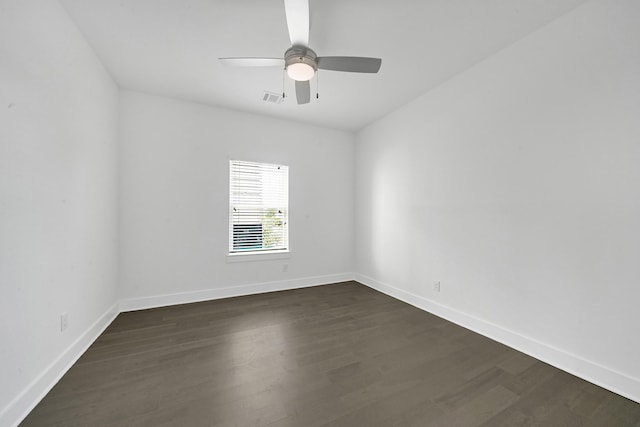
x=339 y=355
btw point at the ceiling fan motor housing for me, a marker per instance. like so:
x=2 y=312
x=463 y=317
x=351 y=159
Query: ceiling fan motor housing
x=300 y=54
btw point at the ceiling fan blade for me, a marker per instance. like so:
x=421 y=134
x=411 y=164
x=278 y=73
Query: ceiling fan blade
x=354 y=64
x=303 y=92
x=253 y=62
x=297 y=12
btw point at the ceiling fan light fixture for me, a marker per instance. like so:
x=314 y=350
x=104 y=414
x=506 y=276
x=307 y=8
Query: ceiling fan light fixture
x=301 y=63
x=300 y=71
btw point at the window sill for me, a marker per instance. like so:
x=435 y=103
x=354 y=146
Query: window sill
x=256 y=256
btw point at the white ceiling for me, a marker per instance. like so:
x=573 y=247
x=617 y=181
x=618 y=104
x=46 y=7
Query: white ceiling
x=171 y=48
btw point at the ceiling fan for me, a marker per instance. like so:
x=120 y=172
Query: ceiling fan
x=300 y=61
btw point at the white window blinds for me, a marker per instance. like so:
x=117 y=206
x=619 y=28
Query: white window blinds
x=259 y=204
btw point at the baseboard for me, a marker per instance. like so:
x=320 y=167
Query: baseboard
x=595 y=373
x=143 y=303
x=24 y=403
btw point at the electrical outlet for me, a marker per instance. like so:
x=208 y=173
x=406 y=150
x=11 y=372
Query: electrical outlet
x=436 y=286
x=285 y=268
x=64 y=321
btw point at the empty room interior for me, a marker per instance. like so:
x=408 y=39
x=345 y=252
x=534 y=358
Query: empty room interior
x=319 y=213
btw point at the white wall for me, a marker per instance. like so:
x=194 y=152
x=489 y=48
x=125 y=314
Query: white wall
x=516 y=184
x=174 y=201
x=58 y=195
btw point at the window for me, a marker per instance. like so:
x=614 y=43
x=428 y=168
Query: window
x=258 y=207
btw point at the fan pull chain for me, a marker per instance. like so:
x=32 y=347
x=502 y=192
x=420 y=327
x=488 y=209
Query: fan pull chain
x=317 y=85
x=283 y=94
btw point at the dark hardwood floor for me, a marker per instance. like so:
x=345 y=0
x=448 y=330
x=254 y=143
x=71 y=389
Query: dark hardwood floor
x=338 y=355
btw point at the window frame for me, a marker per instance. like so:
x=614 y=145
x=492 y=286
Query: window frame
x=279 y=252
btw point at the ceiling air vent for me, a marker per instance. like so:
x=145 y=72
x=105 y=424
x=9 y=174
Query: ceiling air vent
x=273 y=98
